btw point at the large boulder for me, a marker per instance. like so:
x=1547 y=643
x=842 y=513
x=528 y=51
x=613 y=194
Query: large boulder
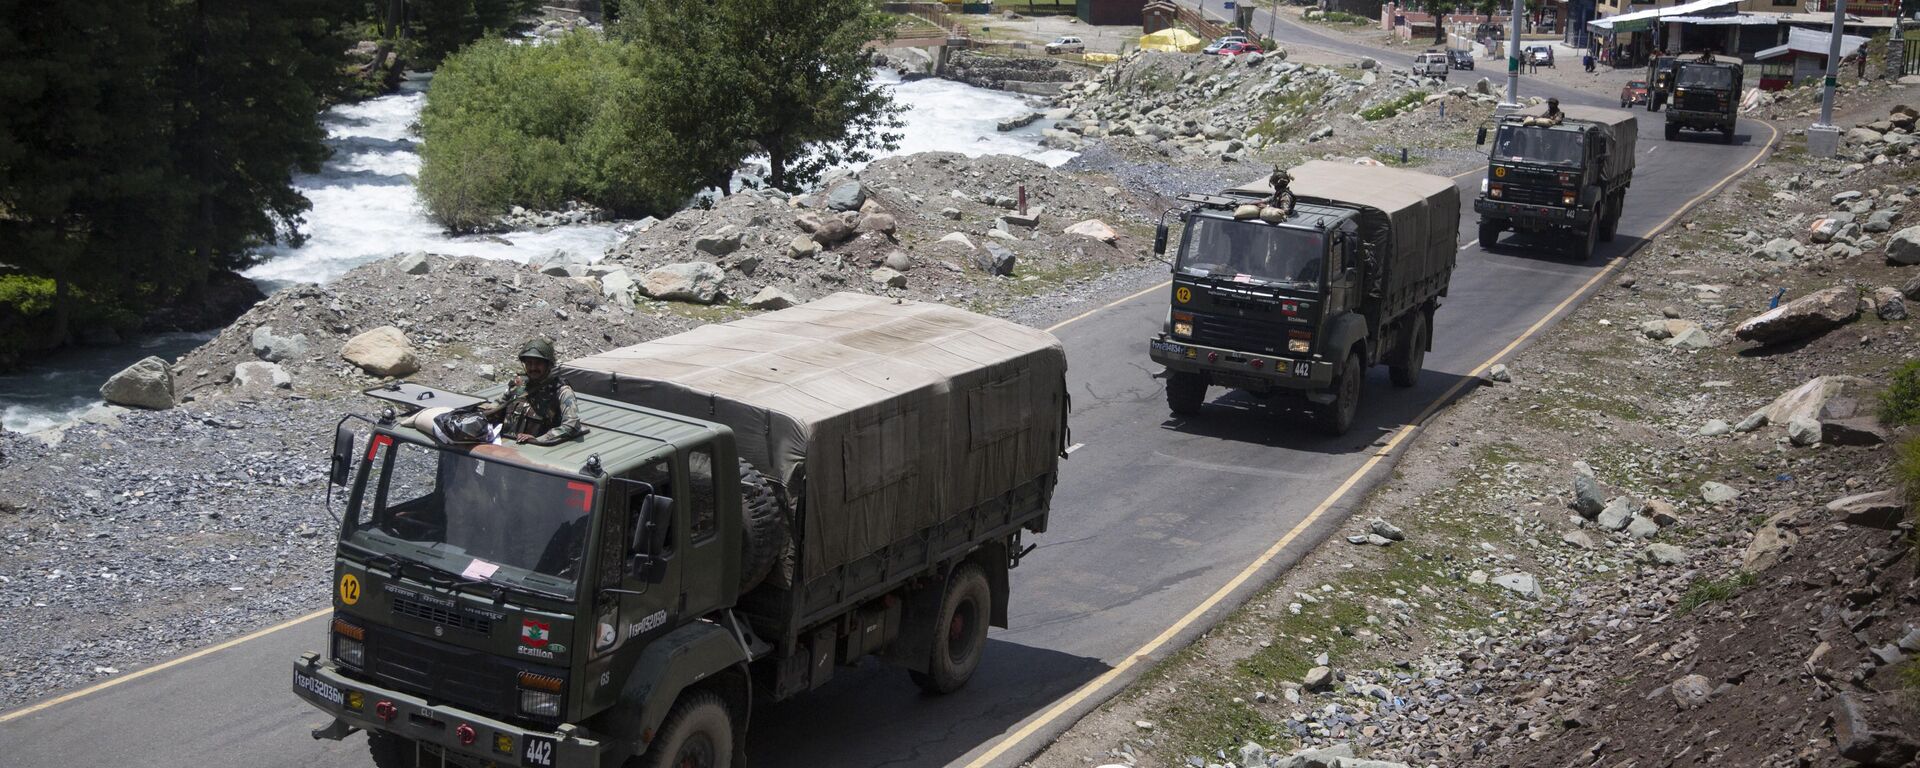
x=619 y=287
x=383 y=351
x=720 y=243
x=692 y=281
x=889 y=278
x=845 y=195
x=1805 y=317
x=1904 y=246
x=145 y=384
x=274 y=348
x=997 y=260
x=771 y=298
x=1095 y=229
x=1889 y=304
x=1880 y=509
x=1820 y=400
x=1769 y=545
x=258 y=378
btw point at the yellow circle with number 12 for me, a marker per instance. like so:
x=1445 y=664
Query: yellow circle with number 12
x=1500 y=172
x=349 y=589
x=1183 y=294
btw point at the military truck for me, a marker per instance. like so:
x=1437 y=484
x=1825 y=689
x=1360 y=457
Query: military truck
x=1570 y=177
x=753 y=505
x=1300 y=299
x=1706 y=97
x=1659 y=82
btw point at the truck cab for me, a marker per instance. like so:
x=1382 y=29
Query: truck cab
x=1567 y=176
x=1706 y=97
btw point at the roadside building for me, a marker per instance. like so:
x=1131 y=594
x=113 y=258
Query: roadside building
x=1110 y=12
x=1802 y=58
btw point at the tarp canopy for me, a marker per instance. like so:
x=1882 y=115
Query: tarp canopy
x=1817 y=42
x=881 y=417
x=1171 y=40
x=1422 y=207
x=1623 y=124
x=1638 y=20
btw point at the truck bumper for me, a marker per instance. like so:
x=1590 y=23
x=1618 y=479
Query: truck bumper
x=1697 y=120
x=462 y=737
x=1533 y=217
x=1236 y=369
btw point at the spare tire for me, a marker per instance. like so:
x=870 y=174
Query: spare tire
x=763 y=526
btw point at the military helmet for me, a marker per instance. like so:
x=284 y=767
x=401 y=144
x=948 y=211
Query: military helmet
x=539 y=349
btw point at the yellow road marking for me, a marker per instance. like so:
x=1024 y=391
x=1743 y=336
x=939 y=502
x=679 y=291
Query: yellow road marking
x=1094 y=686
x=92 y=689
x=1086 y=690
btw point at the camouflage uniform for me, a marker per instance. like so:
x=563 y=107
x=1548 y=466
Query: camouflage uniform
x=545 y=409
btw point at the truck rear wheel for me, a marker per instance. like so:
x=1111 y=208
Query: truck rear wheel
x=1186 y=392
x=1610 y=224
x=959 y=633
x=389 y=751
x=1405 y=372
x=698 y=733
x=1337 y=417
x=763 y=535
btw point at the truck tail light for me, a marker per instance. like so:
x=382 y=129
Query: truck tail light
x=1258 y=364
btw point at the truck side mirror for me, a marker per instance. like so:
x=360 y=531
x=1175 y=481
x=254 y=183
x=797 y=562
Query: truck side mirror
x=1480 y=136
x=1160 y=239
x=341 y=469
x=648 y=563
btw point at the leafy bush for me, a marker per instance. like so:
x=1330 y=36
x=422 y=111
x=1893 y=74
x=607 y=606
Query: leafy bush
x=1900 y=403
x=538 y=126
x=1705 y=591
x=1383 y=111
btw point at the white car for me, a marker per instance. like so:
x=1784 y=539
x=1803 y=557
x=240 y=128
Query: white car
x=1431 y=64
x=1067 y=44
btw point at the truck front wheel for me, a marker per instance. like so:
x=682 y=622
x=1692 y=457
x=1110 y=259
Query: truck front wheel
x=1186 y=391
x=960 y=634
x=1673 y=131
x=389 y=751
x=1337 y=417
x=1489 y=233
x=698 y=733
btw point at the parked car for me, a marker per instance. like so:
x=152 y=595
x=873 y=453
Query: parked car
x=1215 y=46
x=1460 y=59
x=1635 y=92
x=1541 y=55
x=1235 y=49
x=1067 y=44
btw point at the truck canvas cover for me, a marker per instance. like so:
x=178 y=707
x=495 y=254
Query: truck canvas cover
x=882 y=417
x=1416 y=214
x=1621 y=123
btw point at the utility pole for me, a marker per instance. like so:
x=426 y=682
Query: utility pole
x=1272 y=13
x=1513 y=61
x=1823 y=138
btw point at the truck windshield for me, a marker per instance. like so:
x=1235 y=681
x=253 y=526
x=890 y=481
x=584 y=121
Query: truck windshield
x=1251 y=251
x=484 y=519
x=1539 y=145
x=1695 y=76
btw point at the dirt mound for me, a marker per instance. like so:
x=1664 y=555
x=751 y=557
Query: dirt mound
x=933 y=226
x=464 y=317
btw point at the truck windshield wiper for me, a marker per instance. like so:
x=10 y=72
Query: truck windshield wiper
x=459 y=582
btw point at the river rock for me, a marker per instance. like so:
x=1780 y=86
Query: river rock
x=802 y=247
x=1805 y=317
x=1616 y=515
x=1386 y=530
x=1580 y=539
x=1522 y=584
x=1718 y=493
x=383 y=351
x=888 y=277
x=829 y=230
x=1903 y=248
x=845 y=195
x=1588 y=497
x=1889 y=304
x=274 y=348
x=955 y=240
x=255 y=377
x=1095 y=229
x=997 y=260
x=415 y=263
x=897 y=261
x=1770 y=544
x=881 y=223
x=1880 y=509
x=619 y=287
x=1714 y=428
x=1803 y=431
x=145 y=384
x=1856 y=738
x=693 y=281
x=1642 y=527
x=1880 y=221
x=1318 y=679
x=720 y=243
x=1665 y=554
x=1821 y=398
x=1691 y=692
x=772 y=298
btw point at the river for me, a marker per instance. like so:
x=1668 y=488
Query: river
x=365 y=208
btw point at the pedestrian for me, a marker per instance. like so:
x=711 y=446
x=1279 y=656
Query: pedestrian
x=1586 y=61
x=539 y=408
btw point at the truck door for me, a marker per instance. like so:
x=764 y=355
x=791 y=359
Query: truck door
x=703 y=559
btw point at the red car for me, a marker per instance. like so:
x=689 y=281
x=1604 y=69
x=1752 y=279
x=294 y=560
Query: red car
x=1635 y=92
x=1235 y=49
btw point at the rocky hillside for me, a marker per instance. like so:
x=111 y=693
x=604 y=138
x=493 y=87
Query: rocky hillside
x=1674 y=532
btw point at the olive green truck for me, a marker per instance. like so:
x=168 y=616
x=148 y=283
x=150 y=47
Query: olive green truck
x=753 y=505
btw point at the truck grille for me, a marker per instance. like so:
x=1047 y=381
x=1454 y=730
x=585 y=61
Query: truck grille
x=1702 y=101
x=1239 y=333
x=1530 y=195
x=442 y=616
x=473 y=680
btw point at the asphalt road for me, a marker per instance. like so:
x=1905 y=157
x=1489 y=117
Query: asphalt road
x=1153 y=517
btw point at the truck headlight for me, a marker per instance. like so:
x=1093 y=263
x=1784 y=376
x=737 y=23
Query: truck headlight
x=349 y=643
x=540 y=694
x=1301 y=346
x=1566 y=198
x=1494 y=191
x=1483 y=186
x=1182 y=324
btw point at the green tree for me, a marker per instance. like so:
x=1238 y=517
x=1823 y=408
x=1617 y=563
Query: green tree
x=83 y=197
x=791 y=79
x=444 y=26
x=246 y=84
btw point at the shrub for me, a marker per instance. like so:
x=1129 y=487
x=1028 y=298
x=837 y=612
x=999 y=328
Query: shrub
x=1900 y=403
x=1383 y=111
x=538 y=126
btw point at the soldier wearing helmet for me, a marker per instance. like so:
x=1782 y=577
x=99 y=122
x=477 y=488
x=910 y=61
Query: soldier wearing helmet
x=538 y=408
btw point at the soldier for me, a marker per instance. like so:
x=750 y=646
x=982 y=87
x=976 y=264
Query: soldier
x=538 y=408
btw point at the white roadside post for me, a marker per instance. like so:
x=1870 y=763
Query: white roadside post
x=1823 y=138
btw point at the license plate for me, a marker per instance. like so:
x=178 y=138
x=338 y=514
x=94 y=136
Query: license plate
x=537 y=750
x=1303 y=369
x=319 y=689
x=1167 y=346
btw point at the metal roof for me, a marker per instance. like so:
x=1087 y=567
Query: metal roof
x=1812 y=41
x=1683 y=9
